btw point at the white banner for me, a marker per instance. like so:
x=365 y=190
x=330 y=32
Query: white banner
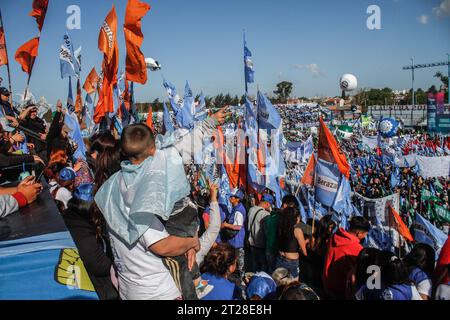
x=434 y=166
x=371 y=142
x=372 y=208
x=406 y=161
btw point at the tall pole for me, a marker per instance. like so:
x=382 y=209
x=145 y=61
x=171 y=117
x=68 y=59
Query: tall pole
x=7 y=65
x=245 y=68
x=448 y=77
x=413 y=94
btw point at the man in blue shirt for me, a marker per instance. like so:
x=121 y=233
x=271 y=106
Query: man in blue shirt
x=236 y=221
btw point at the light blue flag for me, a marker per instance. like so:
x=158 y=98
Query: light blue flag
x=187 y=114
x=24 y=145
x=274 y=185
x=268 y=116
x=200 y=112
x=168 y=125
x=394 y=180
x=342 y=203
x=70 y=119
x=224 y=190
x=327 y=182
x=69 y=61
x=308 y=149
x=426 y=232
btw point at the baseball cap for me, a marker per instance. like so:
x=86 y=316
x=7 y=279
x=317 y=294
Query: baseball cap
x=4 y=91
x=66 y=174
x=269 y=198
x=237 y=193
x=261 y=285
x=85 y=192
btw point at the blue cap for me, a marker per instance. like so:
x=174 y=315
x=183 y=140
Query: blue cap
x=84 y=192
x=269 y=198
x=66 y=174
x=237 y=193
x=261 y=285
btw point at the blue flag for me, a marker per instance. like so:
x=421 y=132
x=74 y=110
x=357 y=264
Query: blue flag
x=69 y=103
x=69 y=62
x=342 y=203
x=185 y=118
x=268 y=116
x=168 y=125
x=70 y=119
x=224 y=190
x=248 y=65
x=327 y=182
x=426 y=232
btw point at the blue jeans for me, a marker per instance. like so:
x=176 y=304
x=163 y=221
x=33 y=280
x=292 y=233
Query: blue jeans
x=290 y=265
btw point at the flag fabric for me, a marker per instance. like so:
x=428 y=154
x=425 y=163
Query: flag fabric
x=91 y=82
x=68 y=63
x=149 y=121
x=3 y=55
x=136 y=69
x=107 y=43
x=167 y=120
x=224 y=190
x=79 y=99
x=71 y=120
x=426 y=232
x=426 y=194
x=327 y=182
x=69 y=103
x=329 y=150
x=39 y=11
x=185 y=117
x=268 y=116
x=442 y=214
x=342 y=203
x=26 y=54
x=89 y=112
x=308 y=176
x=248 y=65
x=397 y=223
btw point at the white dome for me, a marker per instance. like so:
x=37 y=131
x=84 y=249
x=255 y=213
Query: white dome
x=348 y=82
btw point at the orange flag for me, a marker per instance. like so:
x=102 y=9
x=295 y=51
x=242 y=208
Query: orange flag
x=149 y=121
x=26 y=54
x=136 y=69
x=308 y=176
x=107 y=43
x=78 y=100
x=3 y=55
x=91 y=82
x=329 y=150
x=397 y=223
x=39 y=11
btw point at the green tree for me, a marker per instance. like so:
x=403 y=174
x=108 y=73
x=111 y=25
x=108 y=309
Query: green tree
x=284 y=90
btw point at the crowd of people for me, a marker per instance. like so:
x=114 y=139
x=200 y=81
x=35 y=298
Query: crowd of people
x=145 y=230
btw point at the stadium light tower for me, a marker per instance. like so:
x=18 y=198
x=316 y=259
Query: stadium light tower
x=412 y=67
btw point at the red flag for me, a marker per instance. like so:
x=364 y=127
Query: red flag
x=91 y=82
x=26 y=54
x=107 y=43
x=329 y=150
x=397 y=223
x=39 y=11
x=3 y=55
x=149 y=121
x=136 y=69
x=78 y=100
x=308 y=176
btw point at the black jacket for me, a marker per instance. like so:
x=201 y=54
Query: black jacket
x=38 y=126
x=54 y=138
x=95 y=254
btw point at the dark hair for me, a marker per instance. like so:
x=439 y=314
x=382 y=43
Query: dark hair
x=286 y=222
x=290 y=201
x=298 y=291
x=136 y=139
x=322 y=234
x=359 y=223
x=101 y=141
x=106 y=164
x=421 y=256
x=367 y=257
x=81 y=207
x=393 y=270
x=219 y=259
x=51 y=171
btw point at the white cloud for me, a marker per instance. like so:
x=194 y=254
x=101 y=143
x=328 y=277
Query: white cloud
x=423 y=19
x=313 y=68
x=442 y=10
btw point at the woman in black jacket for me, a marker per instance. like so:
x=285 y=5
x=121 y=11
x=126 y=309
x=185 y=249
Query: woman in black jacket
x=94 y=251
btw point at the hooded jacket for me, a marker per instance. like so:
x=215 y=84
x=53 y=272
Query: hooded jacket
x=340 y=259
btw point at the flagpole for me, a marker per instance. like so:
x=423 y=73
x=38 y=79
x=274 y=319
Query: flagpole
x=7 y=65
x=245 y=71
x=28 y=80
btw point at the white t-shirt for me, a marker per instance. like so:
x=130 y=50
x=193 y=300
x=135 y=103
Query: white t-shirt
x=141 y=273
x=443 y=292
